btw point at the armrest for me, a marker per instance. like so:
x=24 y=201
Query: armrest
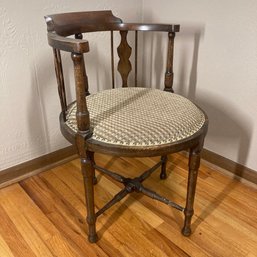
x=147 y=27
x=67 y=44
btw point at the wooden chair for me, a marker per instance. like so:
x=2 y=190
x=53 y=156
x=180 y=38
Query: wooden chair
x=124 y=121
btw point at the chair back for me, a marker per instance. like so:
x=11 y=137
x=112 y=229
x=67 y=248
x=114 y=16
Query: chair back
x=62 y=26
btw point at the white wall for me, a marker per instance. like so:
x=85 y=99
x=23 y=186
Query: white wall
x=215 y=65
x=28 y=95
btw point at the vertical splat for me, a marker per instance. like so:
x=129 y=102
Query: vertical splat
x=60 y=80
x=169 y=67
x=112 y=60
x=124 y=52
x=136 y=47
x=80 y=36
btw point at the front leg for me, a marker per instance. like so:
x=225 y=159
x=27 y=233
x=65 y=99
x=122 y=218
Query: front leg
x=93 y=163
x=87 y=167
x=194 y=163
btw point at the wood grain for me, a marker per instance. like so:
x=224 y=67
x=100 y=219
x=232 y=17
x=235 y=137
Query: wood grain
x=124 y=64
x=45 y=215
x=239 y=170
x=37 y=165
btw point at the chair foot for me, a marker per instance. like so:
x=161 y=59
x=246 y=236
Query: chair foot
x=163 y=176
x=194 y=163
x=93 y=238
x=186 y=231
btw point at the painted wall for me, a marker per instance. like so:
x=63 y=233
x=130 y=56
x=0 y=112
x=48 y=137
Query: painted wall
x=28 y=97
x=215 y=65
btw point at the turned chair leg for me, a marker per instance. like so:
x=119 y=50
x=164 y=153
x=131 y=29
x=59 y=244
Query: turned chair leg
x=88 y=175
x=163 y=174
x=93 y=162
x=194 y=163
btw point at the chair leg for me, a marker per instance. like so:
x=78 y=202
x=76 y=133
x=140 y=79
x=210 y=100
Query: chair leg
x=88 y=174
x=163 y=174
x=93 y=162
x=194 y=163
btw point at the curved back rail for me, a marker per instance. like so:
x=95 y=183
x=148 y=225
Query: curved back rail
x=60 y=26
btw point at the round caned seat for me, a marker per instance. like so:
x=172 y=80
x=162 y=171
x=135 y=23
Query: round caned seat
x=139 y=117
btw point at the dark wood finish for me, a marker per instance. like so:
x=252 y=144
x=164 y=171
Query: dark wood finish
x=194 y=164
x=93 y=164
x=82 y=114
x=62 y=25
x=60 y=80
x=67 y=44
x=146 y=27
x=37 y=165
x=239 y=170
x=124 y=52
x=88 y=171
x=112 y=60
x=136 y=49
x=80 y=36
x=163 y=174
x=168 y=81
x=66 y=24
x=135 y=185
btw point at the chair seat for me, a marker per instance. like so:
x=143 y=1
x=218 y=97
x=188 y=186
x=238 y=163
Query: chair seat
x=139 y=117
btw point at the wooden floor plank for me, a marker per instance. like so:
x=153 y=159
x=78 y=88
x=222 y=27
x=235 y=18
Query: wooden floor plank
x=135 y=221
x=185 y=244
x=55 y=242
x=165 y=244
x=45 y=215
x=12 y=237
x=23 y=225
x=4 y=248
x=65 y=219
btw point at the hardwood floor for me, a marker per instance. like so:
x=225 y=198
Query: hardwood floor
x=45 y=215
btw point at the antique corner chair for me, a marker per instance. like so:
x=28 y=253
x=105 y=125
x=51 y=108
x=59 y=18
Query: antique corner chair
x=125 y=121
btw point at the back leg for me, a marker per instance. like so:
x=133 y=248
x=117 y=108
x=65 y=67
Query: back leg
x=163 y=174
x=93 y=163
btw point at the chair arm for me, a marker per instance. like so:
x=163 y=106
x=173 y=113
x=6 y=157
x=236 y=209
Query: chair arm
x=147 y=27
x=67 y=44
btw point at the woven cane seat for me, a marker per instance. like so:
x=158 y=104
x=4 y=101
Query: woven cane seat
x=139 y=117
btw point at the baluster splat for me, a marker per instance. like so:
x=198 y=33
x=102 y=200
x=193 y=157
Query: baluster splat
x=60 y=81
x=124 y=52
x=169 y=66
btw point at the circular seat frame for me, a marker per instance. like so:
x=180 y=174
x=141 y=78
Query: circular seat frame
x=134 y=144
x=135 y=151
